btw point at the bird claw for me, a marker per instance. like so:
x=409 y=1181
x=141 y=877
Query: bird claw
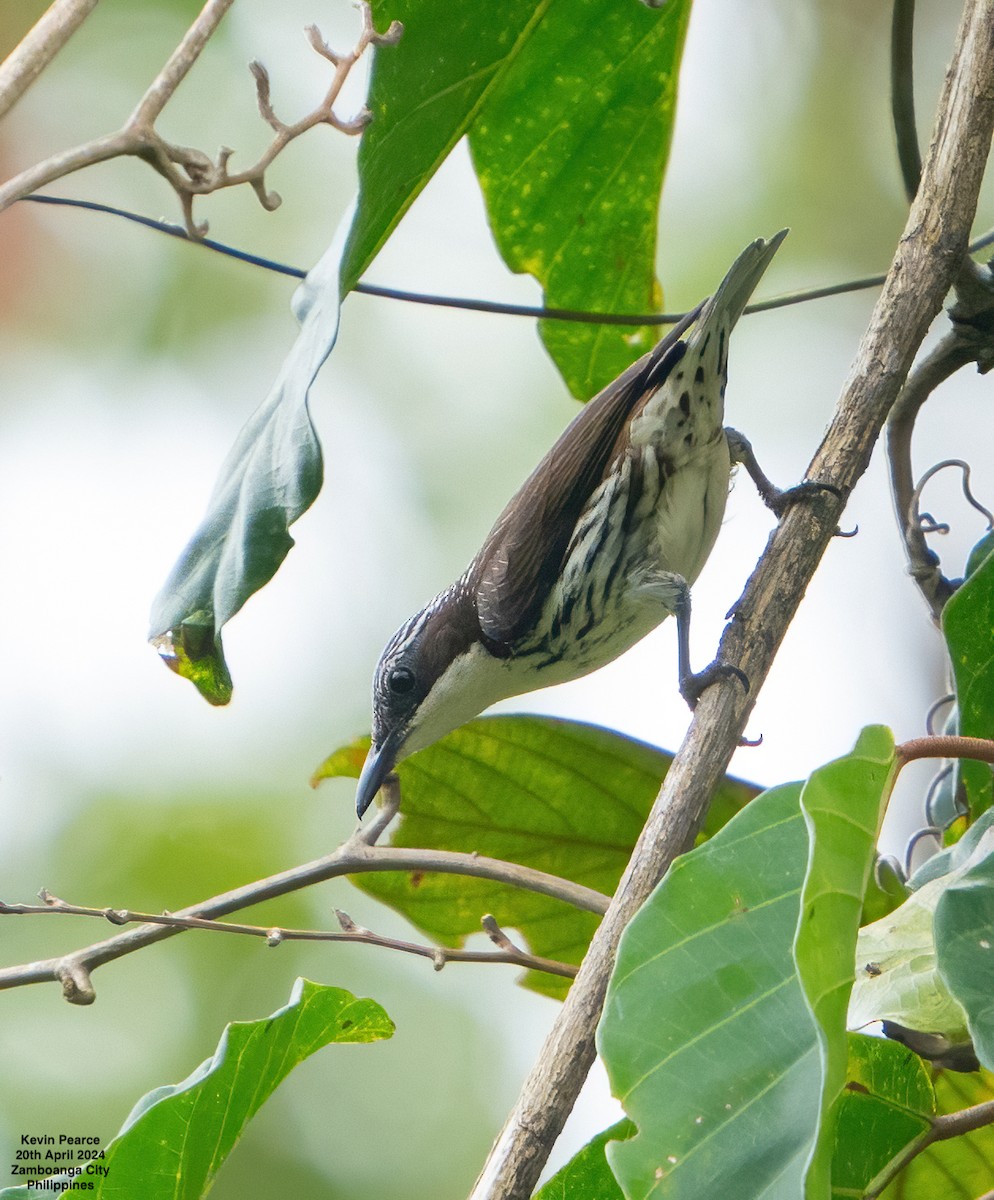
x=694 y=683
x=780 y=499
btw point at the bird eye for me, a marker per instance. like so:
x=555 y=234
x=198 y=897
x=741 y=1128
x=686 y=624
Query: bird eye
x=400 y=681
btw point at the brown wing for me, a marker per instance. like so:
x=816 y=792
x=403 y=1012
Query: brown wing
x=523 y=555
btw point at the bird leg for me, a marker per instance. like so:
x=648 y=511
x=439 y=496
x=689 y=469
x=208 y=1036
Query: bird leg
x=693 y=683
x=778 y=500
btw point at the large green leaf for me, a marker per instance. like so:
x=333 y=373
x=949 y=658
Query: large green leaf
x=270 y=477
x=843 y=804
x=564 y=797
x=177 y=1137
x=967 y=621
x=587 y=1175
x=728 y=1056
x=570 y=150
x=706 y=1036
x=424 y=94
x=569 y=106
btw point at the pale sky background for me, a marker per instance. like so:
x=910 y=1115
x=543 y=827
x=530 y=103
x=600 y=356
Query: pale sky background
x=129 y=363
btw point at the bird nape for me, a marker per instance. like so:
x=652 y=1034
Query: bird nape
x=598 y=546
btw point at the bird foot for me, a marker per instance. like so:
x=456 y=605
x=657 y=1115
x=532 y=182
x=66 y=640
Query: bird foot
x=694 y=683
x=778 y=500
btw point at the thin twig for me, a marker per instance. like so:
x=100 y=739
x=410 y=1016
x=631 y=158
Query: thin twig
x=928 y=257
x=902 y=94
x=275 y=935
x=38 y=47
x=355 y=856
x=190 y=172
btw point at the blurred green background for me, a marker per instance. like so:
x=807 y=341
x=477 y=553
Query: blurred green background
x=129 y=363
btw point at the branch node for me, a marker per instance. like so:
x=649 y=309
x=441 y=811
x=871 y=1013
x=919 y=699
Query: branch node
x=274 y=937
x=345 y=922
x=77 y=986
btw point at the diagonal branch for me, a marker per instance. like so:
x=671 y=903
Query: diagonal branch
x=357 y=855
x=928 y=257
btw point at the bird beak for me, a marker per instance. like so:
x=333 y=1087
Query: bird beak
x=380 y=761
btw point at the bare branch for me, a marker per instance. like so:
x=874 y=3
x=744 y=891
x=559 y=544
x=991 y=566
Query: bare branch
x=38 y=47
x=357 y=855
x=179 y=64
x=80 y=983
x=927 y=260
x=191 y=172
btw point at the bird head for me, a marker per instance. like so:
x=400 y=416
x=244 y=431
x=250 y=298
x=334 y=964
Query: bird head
x=434 y=675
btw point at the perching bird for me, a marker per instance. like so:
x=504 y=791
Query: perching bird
x=598 y=546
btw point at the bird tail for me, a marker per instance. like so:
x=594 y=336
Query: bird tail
x=726 y=305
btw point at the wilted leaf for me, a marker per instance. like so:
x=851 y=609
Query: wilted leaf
x=270 y=477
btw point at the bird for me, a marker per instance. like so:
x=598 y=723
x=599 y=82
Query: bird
x=599 y=545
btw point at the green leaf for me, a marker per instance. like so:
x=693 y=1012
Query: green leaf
x=897 y=971
x=569 y=107
x=706 y=1036
x=560 y=796
x=967 y=620
x=728 y=1056
x=887 y=1101
x=271 y=476
x=843 y=804
x=424 y=94
x=964 y=939
x=570 y=149
x=177 y=1137
x=587 y=1175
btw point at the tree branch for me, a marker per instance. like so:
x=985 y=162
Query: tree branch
x=928 y=257
x=191 y=172
x=275 y=935
x=357 y=855
x=38 y=47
